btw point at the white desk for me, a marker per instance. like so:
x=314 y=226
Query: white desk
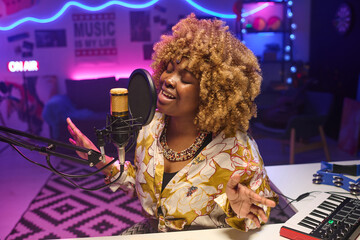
x=267 y=232
x=294 y=180
x=291 y=180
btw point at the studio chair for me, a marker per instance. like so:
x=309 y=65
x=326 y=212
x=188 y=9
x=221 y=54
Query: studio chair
x=303 y=129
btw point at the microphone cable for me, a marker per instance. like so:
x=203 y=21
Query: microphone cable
x=305 y=195
x=298 y=199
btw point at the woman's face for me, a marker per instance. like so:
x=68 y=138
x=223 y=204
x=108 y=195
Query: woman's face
x=179 y=93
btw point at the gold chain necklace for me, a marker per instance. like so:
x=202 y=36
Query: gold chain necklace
x=184 y=155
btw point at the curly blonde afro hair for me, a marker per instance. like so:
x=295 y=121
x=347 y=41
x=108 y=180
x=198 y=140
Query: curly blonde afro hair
x=229 y=73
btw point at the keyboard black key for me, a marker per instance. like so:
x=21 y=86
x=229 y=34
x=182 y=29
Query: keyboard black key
x=330 y=204
x=336 y=198
x=309 y=223
x=320 y=212
x=325 y=204
x=325 y=208
x=313 y=220
x=305 y=225
x=339 y=196
x=317 y=215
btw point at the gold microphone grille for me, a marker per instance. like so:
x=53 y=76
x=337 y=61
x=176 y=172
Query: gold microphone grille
x=119 y=102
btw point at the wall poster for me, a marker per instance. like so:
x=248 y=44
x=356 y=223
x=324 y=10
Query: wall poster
x=95 y=34
x=140 y=26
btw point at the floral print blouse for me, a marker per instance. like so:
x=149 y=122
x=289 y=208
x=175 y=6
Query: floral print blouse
x=195 y=197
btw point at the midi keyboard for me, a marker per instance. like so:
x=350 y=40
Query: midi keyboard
x=329 y=216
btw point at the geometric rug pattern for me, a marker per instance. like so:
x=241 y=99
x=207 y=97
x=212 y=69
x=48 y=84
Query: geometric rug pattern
x=60 y=210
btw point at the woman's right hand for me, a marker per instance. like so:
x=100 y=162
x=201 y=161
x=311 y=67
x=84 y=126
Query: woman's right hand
x=79 y=139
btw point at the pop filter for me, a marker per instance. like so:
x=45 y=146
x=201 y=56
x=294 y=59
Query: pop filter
x=142 y=96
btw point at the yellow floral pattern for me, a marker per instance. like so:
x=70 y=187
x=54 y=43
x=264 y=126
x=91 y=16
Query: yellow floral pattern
x=195 y=197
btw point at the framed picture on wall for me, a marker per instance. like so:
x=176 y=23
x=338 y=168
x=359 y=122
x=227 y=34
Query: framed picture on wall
x=140 y=26
x=50 y=38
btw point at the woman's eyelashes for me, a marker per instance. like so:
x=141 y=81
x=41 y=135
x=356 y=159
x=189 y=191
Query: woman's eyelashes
x=185 y=81
x=185 y=75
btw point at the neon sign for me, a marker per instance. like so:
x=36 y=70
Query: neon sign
x=124 y=4
x=208 y=11
x=23 y=66
x=79 y=5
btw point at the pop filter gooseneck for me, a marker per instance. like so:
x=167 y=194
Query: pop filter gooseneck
x=142 y=96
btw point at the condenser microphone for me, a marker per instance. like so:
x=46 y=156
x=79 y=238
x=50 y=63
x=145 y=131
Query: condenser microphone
x=119 y=113
x=119 y=126
x=130 y=109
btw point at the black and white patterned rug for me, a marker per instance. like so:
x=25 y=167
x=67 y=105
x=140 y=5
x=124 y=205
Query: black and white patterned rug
x=60 y=210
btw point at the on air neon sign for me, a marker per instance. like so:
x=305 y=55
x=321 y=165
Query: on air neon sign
x=23 y=66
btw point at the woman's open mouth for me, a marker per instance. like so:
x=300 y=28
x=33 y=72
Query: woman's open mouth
x=168 y=95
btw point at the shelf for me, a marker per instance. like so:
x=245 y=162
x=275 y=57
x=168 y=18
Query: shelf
x=253 y=31
x=272 y=61
x=276 y=31
x=256 y=1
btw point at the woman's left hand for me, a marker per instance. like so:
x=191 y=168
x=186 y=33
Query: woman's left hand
x=242 y=201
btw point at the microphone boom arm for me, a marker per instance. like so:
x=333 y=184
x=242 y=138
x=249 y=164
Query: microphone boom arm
x=94 y=157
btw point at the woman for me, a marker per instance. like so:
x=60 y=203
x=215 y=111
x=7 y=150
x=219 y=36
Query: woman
x=195 y=165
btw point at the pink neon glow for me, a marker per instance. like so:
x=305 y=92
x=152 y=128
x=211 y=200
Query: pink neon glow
x=87 y=75
x=257 y=7
x=263 y=11
x=93 y=73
